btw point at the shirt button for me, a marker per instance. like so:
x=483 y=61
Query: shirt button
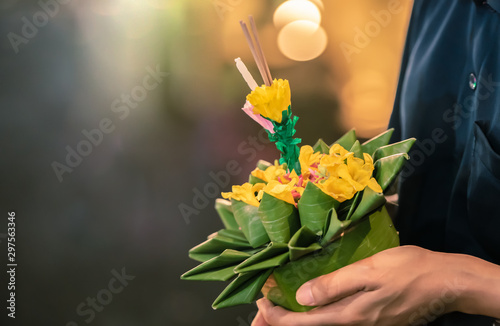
x=472 y=81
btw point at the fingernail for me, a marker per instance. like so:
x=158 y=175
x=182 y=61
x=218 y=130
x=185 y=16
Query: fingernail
x=304 y=295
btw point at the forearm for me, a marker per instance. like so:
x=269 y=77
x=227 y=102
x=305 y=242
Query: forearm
x=477 y=283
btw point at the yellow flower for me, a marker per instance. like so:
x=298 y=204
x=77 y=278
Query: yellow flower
x=332 y=163
x=308 y=159
x=246 y=193
x=270 y=101
x=361 y=172
x=281 y=191
x=337 y=188
x=273 y=172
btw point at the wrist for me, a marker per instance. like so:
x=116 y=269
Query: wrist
x=477 y=285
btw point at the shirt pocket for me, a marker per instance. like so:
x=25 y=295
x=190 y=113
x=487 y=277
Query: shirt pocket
x=483 y=193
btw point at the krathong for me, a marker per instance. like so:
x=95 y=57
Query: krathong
x=316 y=209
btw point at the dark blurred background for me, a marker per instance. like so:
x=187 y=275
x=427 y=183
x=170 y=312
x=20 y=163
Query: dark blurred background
x=114 y=113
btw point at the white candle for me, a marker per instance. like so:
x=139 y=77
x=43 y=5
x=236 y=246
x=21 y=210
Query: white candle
x=246 y=74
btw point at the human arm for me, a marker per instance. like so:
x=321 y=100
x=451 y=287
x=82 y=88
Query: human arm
x=399 y=286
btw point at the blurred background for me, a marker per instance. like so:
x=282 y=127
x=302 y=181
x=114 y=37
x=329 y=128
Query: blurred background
x=116 y=114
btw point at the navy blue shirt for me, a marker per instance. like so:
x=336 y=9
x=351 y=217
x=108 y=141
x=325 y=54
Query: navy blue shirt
x=449 y=99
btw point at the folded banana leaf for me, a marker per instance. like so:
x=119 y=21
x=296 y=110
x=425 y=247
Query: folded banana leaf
x=280 y=219
x=302 y=243
x=216 y=244
x=356 y=149
x=385 y=167
x=392 y=149
x=220 y=268
x=333 y=227
x=244 y=289
x=348 y=139
x=371 y=145
x=225 y=211
x=274 y=255
x=371 y=235
x=248 y=219
x=314 y=206
x=321 y=147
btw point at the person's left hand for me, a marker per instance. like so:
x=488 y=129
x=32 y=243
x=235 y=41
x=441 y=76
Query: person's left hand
x=394 y=287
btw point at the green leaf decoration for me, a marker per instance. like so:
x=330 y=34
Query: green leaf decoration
x=321 y=147
x=215 y=245
x=225 y=211
x=378 y=141
x=333 y=227
x=314 y=206
x=302 y=243
x=387 y=169
x=276 y=254
x=248 y=219
x=244 y=289
x=220 y=268
x=356 y=149
x=370 y=200
x=371 y=235
x=347 y=140
x=396 y=148
x=280 y=219
x=284 y=141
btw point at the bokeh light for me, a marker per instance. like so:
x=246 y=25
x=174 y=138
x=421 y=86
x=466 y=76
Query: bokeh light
x=293 y=10
x=302 y=40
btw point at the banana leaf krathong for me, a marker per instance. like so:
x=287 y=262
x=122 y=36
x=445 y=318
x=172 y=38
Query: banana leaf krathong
x=291 y=244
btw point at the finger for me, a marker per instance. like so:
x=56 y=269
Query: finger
x=278 y=316
x=334 y=286
x=259 y=320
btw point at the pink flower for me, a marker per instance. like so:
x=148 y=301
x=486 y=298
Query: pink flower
x=266 y=124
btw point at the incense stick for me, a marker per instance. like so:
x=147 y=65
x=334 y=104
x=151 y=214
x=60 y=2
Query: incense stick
x=254 y=52
x=259 y=49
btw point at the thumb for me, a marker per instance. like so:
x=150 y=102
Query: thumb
x=333 y=287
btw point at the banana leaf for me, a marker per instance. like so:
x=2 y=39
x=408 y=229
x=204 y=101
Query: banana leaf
x=385 y=169
x=321 y=147
x=396 y=148
x=225 y=211
x=215 y=245
x=371 y=145
x=333 y=227
x=248 y=219
x=371 y=235
x=370 y=200
x=244 y=289
x=274 y=255
x=220 y=268
x=356 y=149
x=347 y=140
x=302 y=243
x=314 y=206
x=280 y=219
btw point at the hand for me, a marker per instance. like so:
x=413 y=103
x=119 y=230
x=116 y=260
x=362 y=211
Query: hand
x=400 y=286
